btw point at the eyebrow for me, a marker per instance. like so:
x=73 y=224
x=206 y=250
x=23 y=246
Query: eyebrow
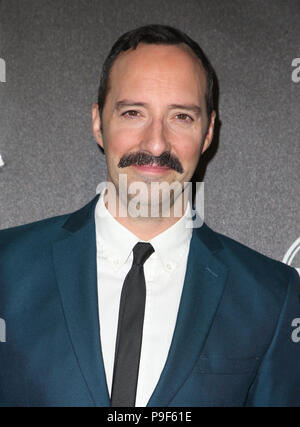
x=187 y=107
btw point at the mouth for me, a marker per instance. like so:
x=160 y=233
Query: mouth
x=152 y=168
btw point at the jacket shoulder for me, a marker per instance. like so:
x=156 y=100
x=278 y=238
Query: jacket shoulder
x=48 y=227
x=35 y=234
x=37 y=229
x=254 y=266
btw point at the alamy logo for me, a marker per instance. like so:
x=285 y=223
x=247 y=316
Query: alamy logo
x=2 y=71
x=296 y=71
x=296 y=331
x=290 y=255
x=155 y=199
x=289 y=259
x=2 y=330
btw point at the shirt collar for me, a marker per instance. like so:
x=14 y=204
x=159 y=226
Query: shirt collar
x=116 y=241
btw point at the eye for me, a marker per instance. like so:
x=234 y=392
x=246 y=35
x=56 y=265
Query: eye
x=130 y=113
x=184 y=117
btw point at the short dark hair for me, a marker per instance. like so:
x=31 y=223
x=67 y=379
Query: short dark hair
x=155 y=34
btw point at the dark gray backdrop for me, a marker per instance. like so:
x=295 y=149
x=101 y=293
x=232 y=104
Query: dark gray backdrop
x=54 y=50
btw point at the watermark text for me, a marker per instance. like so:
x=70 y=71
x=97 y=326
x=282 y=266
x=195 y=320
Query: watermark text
x=296 y=331
x=2 y=71
x=296 y=71
x=2 y=330
x=155 y=199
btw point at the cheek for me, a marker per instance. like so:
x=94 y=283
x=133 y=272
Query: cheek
x=120 y=142
x=188 y=152
x=187 y=144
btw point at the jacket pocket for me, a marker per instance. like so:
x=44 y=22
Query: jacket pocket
x=212 y=364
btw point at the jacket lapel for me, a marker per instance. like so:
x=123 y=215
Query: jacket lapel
x=203 y=286
x=76 y=271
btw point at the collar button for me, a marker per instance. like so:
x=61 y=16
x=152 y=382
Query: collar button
x=169 y=266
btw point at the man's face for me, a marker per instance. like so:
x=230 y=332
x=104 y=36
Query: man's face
x=155 y=106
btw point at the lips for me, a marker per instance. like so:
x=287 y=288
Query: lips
x=152 y=168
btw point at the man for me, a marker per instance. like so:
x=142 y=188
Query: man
x=119 y=304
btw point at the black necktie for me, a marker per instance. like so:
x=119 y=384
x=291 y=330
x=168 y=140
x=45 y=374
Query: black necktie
x=130 y=330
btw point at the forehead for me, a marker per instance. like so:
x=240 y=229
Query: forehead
x=158 y=68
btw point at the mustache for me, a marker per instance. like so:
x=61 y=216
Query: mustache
x=140 y=158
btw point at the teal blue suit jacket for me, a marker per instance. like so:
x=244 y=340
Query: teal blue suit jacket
x=232 y=344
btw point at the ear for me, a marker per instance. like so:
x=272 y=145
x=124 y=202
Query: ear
x=97 y=125
x=209 y=133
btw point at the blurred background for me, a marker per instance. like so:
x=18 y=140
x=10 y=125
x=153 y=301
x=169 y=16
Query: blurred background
x=53 y=52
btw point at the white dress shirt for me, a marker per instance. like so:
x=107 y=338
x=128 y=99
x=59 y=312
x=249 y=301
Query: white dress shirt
x=164 y=276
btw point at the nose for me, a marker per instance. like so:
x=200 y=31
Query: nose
x=154 y=138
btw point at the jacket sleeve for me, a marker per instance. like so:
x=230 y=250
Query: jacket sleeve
x=277 y=382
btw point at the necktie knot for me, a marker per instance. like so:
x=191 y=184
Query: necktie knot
x=141 y=252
